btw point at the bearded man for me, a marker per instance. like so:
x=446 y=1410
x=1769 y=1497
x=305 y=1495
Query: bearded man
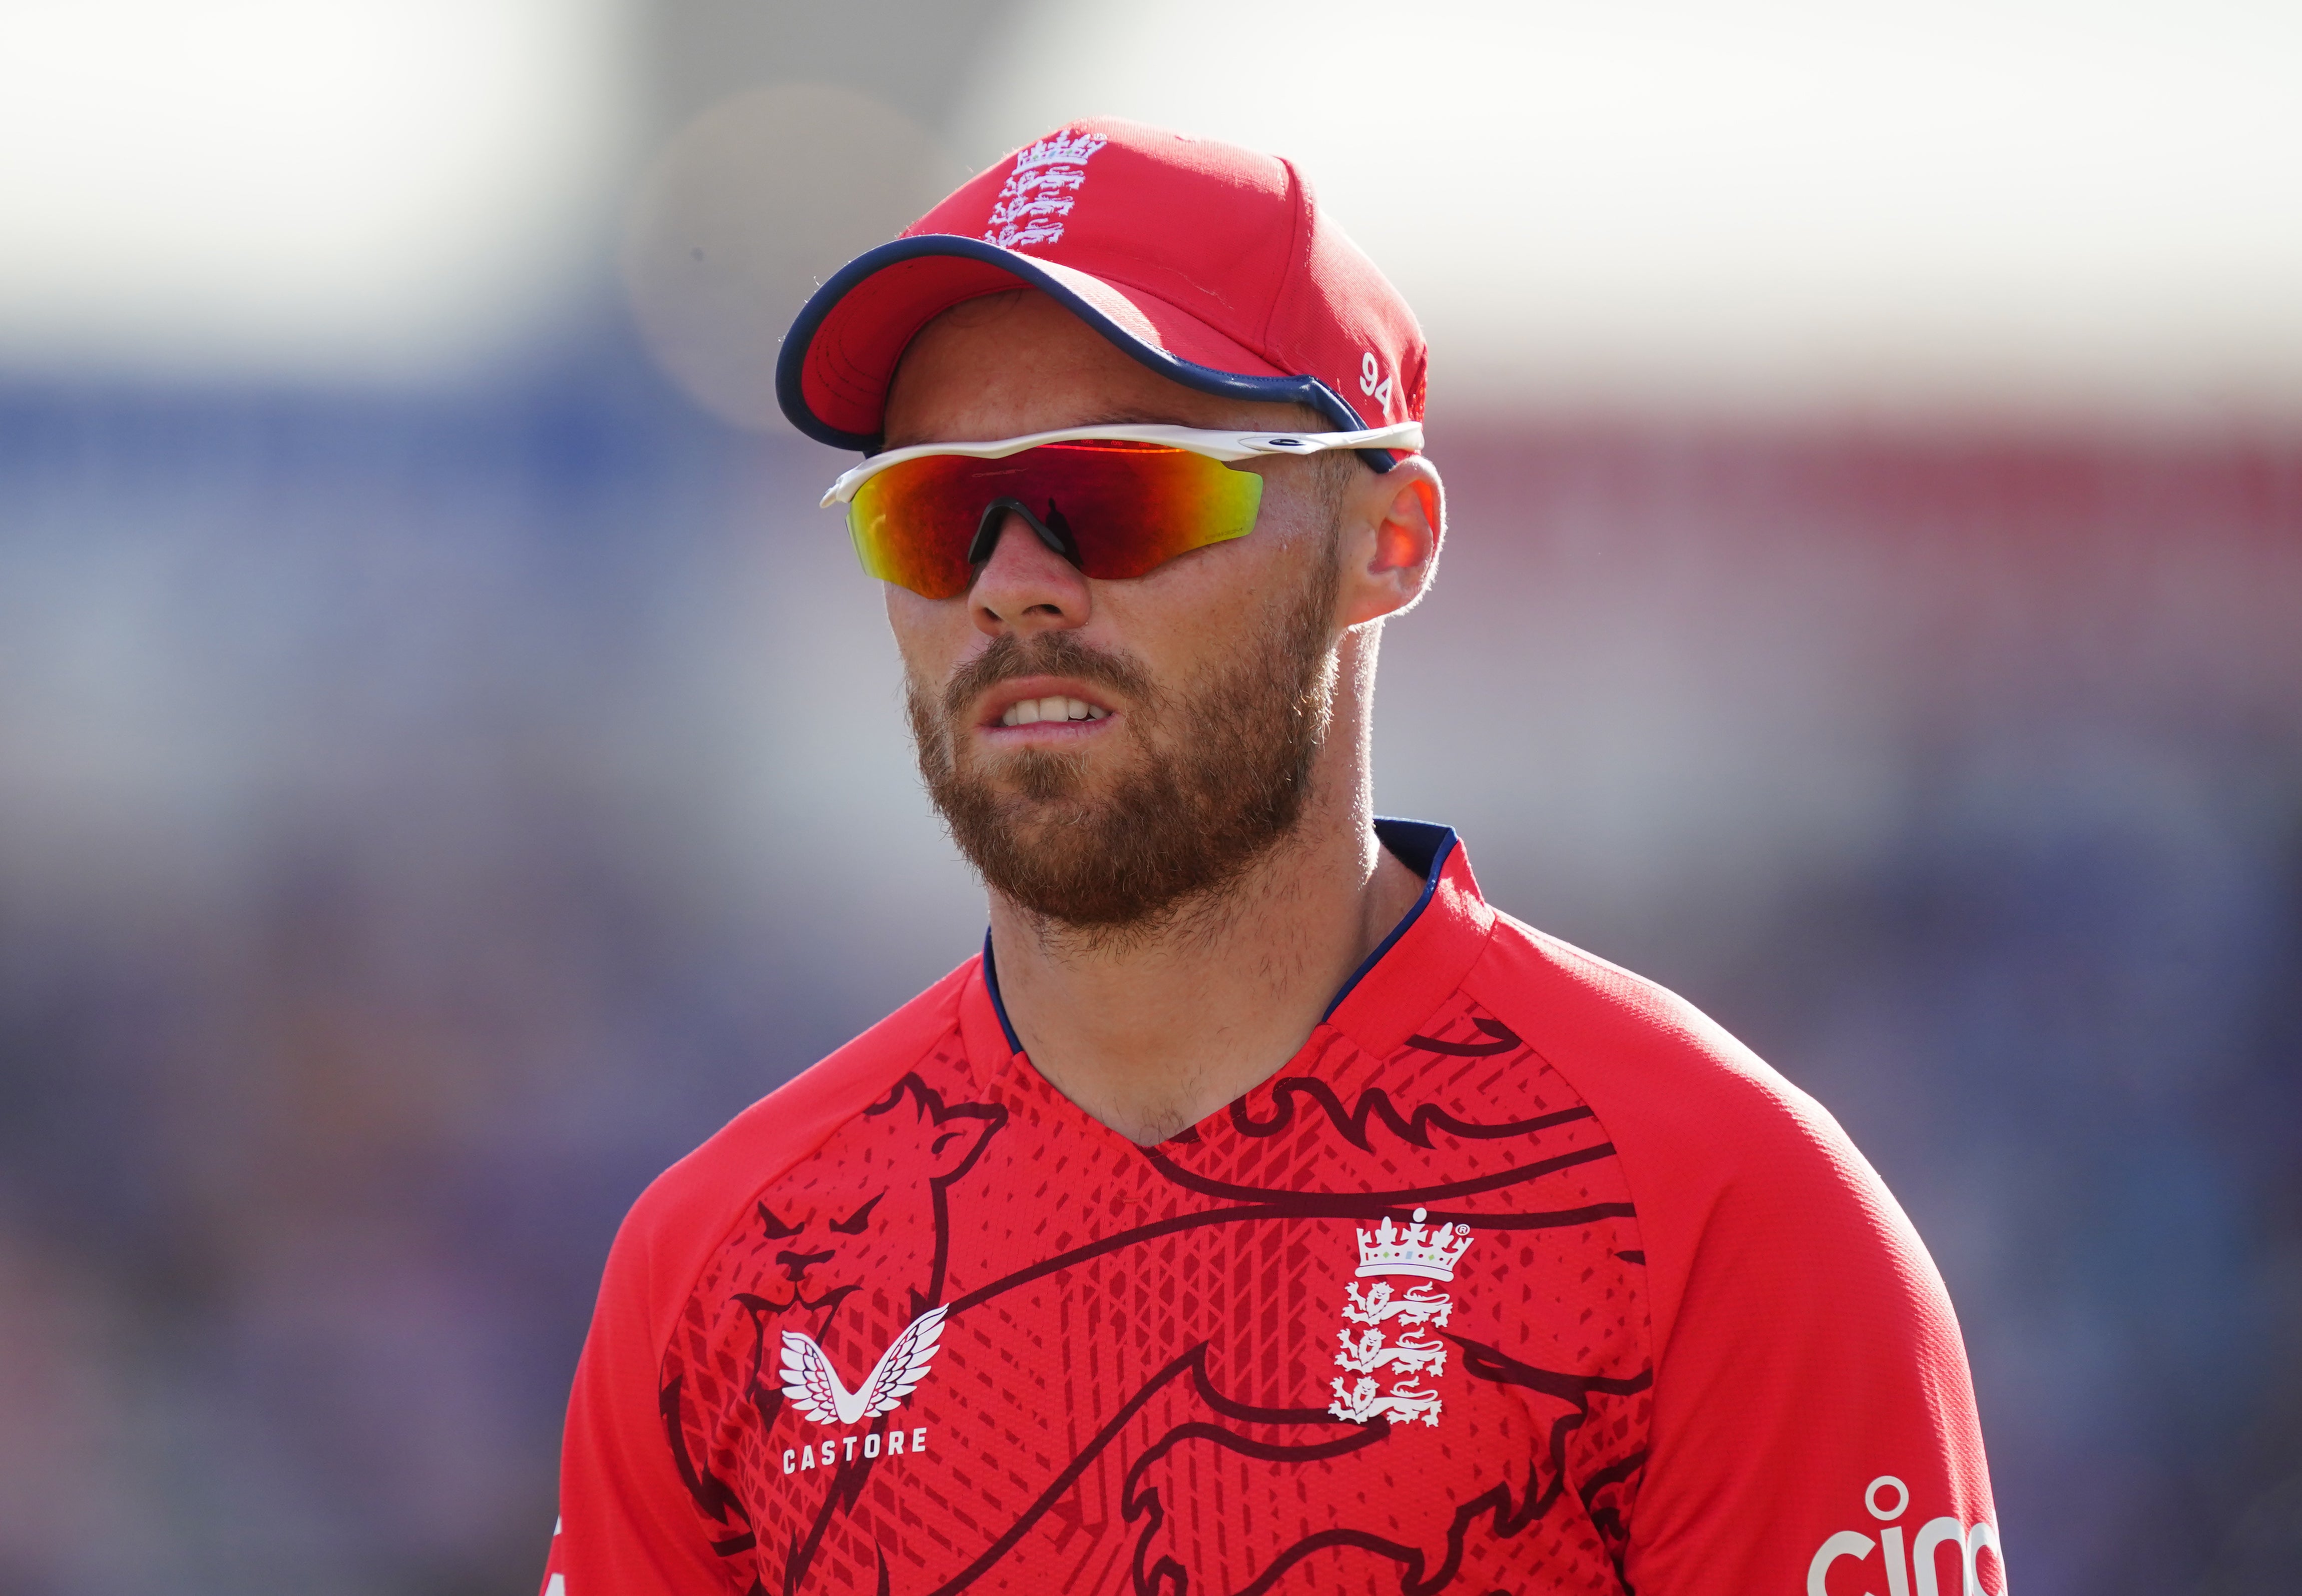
x=1260 y=1211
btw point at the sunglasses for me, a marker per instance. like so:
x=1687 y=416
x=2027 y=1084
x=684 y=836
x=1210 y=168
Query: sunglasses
x=1116 y=501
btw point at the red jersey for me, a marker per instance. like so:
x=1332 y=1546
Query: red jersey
x=1522 y=1275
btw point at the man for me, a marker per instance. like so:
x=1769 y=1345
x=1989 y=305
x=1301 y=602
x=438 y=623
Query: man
x=1261 y=1211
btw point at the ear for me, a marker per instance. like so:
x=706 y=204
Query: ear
x=1393 y=523
x=956 y=1138
x=945 y=1141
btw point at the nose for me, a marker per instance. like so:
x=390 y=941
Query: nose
x=796 y=1264
x=1025 y=588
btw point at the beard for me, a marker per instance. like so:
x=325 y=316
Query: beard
x=1219 y=777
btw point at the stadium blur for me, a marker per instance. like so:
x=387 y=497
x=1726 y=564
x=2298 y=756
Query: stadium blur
x=449 y=766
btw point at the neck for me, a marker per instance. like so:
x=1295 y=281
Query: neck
x=1150 y=1032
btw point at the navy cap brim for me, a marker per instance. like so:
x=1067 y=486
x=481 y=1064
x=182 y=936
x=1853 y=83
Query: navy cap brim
x=841 y=354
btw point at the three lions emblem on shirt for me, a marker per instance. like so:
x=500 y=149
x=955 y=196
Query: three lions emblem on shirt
x=1424 y=1254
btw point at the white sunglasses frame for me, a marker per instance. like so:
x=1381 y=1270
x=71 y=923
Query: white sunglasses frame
x=1406 y=435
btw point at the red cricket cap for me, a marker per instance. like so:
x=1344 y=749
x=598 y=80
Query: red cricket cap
x=1208 y=263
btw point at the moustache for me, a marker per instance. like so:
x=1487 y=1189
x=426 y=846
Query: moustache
x=1049 y=654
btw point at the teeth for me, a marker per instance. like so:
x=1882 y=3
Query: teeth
x=1030 y=711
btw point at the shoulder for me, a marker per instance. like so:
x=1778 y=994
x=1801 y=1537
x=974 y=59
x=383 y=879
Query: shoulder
x=684 y=1214
x=1720 y=1152
x=1665 y=1069
x=1804 y=1342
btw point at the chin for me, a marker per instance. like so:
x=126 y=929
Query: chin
x=1029 y=778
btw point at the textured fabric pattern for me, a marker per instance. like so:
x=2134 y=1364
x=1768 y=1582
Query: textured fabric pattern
x=1156 y=1404
x=1521 y=1275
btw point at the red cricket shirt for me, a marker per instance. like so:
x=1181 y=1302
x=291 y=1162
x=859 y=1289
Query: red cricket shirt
x=1522 y=1275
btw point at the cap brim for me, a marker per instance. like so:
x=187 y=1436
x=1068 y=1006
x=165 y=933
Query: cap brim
x=841 y=354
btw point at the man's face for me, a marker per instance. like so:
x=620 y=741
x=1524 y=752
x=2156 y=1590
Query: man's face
x=1206 y=685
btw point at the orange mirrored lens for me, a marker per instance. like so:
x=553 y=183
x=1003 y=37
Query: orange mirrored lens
x=1125 y=508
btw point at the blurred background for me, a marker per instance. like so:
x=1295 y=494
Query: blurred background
x=448 y=765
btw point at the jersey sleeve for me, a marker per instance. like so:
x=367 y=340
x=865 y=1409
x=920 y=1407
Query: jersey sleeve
x=638 y=1516
x=628 y=1523
x=1813 y=1427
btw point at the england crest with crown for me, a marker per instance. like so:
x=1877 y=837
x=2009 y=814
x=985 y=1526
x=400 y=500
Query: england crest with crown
x=1040 y=191
x=1396 y=1344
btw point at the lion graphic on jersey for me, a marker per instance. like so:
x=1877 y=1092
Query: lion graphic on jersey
x=1075 y=1459
x=856 y=1235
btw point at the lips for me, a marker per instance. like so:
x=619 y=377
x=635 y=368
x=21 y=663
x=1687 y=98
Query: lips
x=1029 y=711
x=1043 y=701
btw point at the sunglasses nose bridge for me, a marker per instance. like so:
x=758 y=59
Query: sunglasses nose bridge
x=1053 y=531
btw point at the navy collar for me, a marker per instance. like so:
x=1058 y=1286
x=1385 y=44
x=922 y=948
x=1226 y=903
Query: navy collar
x=1418 y=844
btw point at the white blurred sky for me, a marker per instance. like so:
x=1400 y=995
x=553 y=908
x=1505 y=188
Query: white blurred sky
x=2013 y=204
x=317 y=187
x=2059 y=205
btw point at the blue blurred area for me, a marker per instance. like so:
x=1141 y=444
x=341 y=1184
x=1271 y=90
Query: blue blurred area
x=424 y=818
x=1960 y=777
x=366 y=948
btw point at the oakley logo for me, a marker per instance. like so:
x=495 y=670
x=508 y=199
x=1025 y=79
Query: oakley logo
x=1041 y=190
x=1373 y=382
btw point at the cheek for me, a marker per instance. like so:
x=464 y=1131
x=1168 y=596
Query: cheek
x=1190 y=618
x=910 y=617
x=931 y=635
